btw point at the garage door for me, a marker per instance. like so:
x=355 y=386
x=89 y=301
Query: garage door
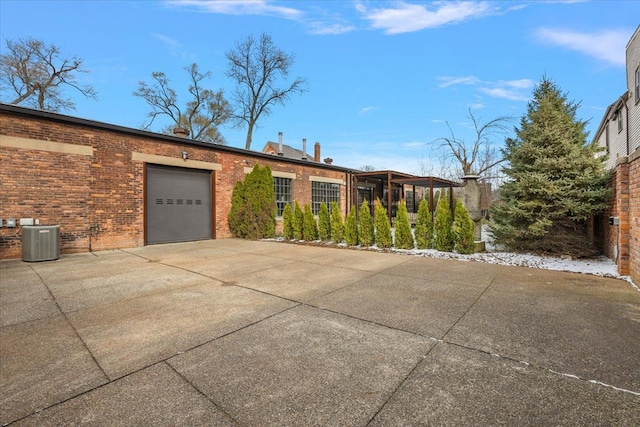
x=178 y=204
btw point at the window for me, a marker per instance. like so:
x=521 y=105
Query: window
x=637 y=91
x=365 y=193
x=619 y=120
x=323 y=192
x=409 y=198
x=282 y=187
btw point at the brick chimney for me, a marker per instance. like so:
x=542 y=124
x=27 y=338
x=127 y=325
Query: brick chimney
x=304 y=148
x=181 y=132
x=316 y=152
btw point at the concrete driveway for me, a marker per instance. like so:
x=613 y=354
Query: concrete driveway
x=233 y=332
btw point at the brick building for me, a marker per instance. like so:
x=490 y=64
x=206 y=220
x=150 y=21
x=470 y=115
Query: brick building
x=123 y=187
x=619 y=137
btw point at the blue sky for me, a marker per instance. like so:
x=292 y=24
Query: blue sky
x=383 y=76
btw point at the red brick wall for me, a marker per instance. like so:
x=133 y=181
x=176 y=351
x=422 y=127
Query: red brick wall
x=622 y=242
x=77 y=191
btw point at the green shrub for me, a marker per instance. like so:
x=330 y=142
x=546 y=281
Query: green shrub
x=298 y=221
x=237 y=216
x=383 y=227
x=324 y=222
x=463 y=228
x=366 y=231
x=351 y=228
x=309 y=227
x=253 y=207
x=424 y=226
x=443 y=236
x=337 y=226
x=403 y=238
x=287 y=222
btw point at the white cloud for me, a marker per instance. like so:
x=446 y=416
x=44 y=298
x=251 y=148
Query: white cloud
x=501 y=92
x=608 y=46
x=321 y=28
x=175 y=47
x=449 y=81
x=406 y=17
x=365 y=110
x=239 y=7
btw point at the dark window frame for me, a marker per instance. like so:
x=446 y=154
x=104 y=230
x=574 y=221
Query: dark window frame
x=326 y=192
x=283 y=189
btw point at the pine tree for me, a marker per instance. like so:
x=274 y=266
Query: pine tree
x=351 y=228
x=463 y=228
x=403 y=238
x=287 y=222
x=337 y=225
x=366 y=232
x=324 y=222
x=383 y=227
x=555 y=180
x=253 y=208
x=443 y=235
x=424 y=226
x=309 y=228
x=298 y=221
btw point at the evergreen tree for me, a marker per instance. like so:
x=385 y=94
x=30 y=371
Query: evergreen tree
x=463 y=228
x=337 y=226
x=424 y=226
x=310 y=228
x=237 y=217
x=403 y=238
x=253 y=208
x=443 y=235
x=298 y=221
x=366 y=232
x=351 y=228
x=324 y=222
x=555 y=181
x=383 y=227
x=287 y=222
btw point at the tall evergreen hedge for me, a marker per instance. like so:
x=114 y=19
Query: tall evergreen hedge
x=443 y=235
x=309 y=227
x=424 y=226
x=403 y=238
x=383 y=227
x=351 y=228
x=366 y=230
x=298 y=221
x=324 y=222
x=337 y=225
x=463 y=228
x=253 y=207
x=287 y=222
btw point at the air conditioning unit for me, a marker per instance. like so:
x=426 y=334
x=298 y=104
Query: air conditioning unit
x=40 y=242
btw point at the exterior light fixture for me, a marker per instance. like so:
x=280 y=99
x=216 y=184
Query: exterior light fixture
x=184 y=156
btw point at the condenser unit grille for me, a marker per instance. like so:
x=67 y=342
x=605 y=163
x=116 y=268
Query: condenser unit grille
x=40 y=242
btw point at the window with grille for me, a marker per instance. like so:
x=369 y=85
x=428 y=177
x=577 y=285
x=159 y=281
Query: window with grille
x=323 y=192
x=619 y=119
x=637 y=91
x=282 y=187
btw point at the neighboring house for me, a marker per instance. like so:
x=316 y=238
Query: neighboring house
x=619 y=137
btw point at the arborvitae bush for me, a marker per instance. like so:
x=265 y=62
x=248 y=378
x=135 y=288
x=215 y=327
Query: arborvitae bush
x=424 y=226
x=253 y=208
x=351 y=228
x=443 y=236
x=383 y=227
x=298 y=221
x=463 y=228
x=366 y=232
x=337 y=225
x=324 y=222
x=310 y=228
x=404 y=238
x=287 y=222
x=237 y=215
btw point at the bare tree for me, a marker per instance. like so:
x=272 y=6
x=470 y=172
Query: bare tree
x=35 y=74
x=368 y=168
x=202 y=114
x=483 y=154
x=256 y=65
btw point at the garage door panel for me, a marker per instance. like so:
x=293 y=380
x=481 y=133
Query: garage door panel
x=178 y=204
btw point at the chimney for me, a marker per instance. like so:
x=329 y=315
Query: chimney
x=280 y=152
x=328 y=160
x=316 y=152
x=181 y=132
x=304 y=148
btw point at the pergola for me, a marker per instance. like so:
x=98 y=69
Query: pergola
x=392 y=177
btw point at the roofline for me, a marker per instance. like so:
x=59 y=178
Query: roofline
x=62 y=118
x=636 y=33
x=606 y=118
